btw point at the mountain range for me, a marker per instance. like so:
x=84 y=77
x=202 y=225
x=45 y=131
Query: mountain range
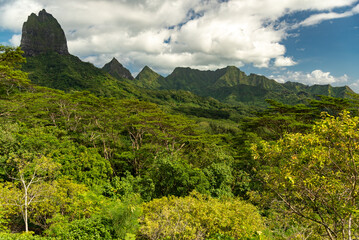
x=50 y=64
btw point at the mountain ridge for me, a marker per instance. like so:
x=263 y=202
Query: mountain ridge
x=52 y=66
x=231 y=85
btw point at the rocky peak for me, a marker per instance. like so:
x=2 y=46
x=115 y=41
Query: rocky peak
x=115 y=69
x=41 y=34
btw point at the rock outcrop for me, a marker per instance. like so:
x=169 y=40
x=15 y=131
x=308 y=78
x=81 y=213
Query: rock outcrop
x=116 y=70
x=41 y=34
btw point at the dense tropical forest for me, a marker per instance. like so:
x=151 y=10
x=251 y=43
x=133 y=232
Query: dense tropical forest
x=89 y=153
x=81 y=165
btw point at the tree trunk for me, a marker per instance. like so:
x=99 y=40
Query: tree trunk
x=25 y=203
x=25 y=211
x=350 y=228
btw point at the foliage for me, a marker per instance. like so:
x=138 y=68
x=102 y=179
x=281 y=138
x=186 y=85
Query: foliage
x=197 y=217
x=122 y=142
x=123 y=216
x=23 y=236
x=10 y=74
x=315 y=174
x=31 y=175
x=173 y=176
x=87 y=228
x=116 y=220
x=128 y=185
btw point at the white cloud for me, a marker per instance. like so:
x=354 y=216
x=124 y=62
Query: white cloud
x=284 y=61
x=169 y=33
x=355 y=86
x=14 y=13
x=318 y=18
x=15 y=40
x=315 y=77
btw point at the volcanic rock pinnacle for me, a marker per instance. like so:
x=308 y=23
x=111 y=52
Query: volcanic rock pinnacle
x=41 y=34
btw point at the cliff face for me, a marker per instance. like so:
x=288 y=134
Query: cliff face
x=41 y=34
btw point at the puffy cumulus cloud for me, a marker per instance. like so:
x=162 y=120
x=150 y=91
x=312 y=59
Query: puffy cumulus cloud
x=168 y=33
x=315 y=77
x=14 y=13
x=284 y=61
x=15 y=40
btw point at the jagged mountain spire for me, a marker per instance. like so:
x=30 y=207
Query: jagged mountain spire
x=41 y=34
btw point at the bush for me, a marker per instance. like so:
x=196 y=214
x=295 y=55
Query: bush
x=200 y=217
x=24 y=236
x=93 y=228
x=117 y=220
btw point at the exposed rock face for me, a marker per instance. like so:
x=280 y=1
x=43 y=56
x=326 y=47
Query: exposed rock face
x=115 y=69
x=41 y=34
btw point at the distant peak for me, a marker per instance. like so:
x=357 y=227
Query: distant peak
x=146 y=68
x=148 y=78
x=231 y=66
x=114 y=61
x=117 y=70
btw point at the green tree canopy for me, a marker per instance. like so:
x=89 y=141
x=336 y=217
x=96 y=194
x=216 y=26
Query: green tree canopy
x=199 y=217
x=316 y=174
x=10 y=68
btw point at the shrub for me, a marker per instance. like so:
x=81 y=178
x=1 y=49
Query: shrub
x=199 y=217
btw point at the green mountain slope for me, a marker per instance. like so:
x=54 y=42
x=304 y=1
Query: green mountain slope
x=67 y=72
x=148 y=78
x=230 y=85
x=115 y=69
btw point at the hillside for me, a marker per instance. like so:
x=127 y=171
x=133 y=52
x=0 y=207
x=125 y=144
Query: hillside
x=230 y=85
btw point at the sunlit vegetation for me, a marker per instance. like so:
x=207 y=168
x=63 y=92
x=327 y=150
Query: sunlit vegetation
x=165 y=165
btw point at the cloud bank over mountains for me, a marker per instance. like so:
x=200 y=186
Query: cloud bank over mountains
x=168 y=33
x=315 y=77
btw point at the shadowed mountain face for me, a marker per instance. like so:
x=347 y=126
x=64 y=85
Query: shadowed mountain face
x=42 y=34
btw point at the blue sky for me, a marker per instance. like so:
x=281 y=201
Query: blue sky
x=331 y=46
x=308 y=41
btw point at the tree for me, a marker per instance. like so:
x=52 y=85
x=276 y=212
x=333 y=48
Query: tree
x=29 y=176
x=316 y=174
x=151 y=132
x=10 y=64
